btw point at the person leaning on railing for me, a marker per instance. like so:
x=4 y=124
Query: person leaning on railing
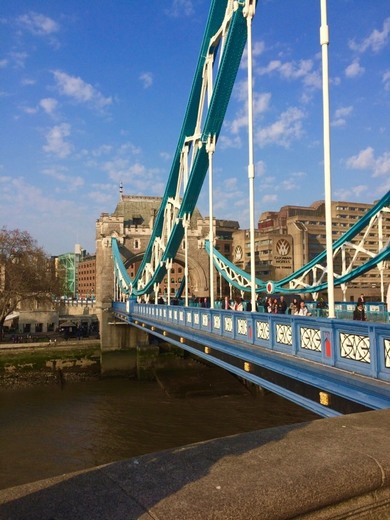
x=294 y=306
x=303 y=310
x=359 y=313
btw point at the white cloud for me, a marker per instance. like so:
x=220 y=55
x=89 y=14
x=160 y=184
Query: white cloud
x=261 y=102
x=19 y=59
x=293 y=70
x=61 y=175
x=258 y=48
x=56 y=143
x=289 y=184
x=104 y=149
x=49 y=105
x=260 y=168
x=340 y=115
x=283 y=131
x=27 y=82
x=38 y=24
x=104 y=195
x=366 y=160
x=146 y=79
x=231 y=183
x=225 y=142
x=138 y=177
x=299 y=175
x=229 y=194
x=354 y=69
x=29 y=110
x=79 y=90
x=382 y=165
x=270 y=198
x=375 y=42
x=180 y=8
x=3 y=64
x=52 y=221
x=386 y=80
x=273 y=65
x=384 y=188
x=166 y=156
x=351 y=192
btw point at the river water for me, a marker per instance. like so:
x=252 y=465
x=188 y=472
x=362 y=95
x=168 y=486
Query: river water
x=49 y=430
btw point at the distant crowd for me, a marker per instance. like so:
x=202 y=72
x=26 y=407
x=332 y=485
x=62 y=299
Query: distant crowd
x=270 y=304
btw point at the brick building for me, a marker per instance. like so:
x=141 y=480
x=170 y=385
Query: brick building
x=299 y=233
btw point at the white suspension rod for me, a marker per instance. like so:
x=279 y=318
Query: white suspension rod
x=249 y=12
x=324 y=40
x=210 y=148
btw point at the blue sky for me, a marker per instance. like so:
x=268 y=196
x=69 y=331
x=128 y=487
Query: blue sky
x=94 y=94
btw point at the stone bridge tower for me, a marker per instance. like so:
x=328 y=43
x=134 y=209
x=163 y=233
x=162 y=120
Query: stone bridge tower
x=131 y=224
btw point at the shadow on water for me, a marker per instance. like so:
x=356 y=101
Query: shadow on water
x=132 y=489
x=76 y=426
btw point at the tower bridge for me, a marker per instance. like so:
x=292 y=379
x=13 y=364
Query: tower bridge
x=140 y=246
x=334 y=367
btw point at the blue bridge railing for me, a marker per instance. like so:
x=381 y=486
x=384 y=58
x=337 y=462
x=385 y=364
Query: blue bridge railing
x=328 y=366
x=357 y=347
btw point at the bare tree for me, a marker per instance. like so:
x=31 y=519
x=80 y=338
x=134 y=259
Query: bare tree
x=26 y=273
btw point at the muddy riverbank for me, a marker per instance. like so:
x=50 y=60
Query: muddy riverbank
x=26 y=364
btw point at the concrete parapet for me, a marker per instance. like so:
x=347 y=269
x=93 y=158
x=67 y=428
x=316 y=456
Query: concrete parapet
x=326 y=469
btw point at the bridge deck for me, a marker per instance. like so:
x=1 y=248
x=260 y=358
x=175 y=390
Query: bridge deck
x=320 y=380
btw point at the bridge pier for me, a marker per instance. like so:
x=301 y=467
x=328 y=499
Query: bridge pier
x=120 y=345
x=118 y=341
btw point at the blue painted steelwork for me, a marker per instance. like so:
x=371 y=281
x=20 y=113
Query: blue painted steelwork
x=241 y=280
x=180 y=289
x=227 y=19
x=120 y=271
x=335 y=359
x=336 y=362
x=279 y=286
